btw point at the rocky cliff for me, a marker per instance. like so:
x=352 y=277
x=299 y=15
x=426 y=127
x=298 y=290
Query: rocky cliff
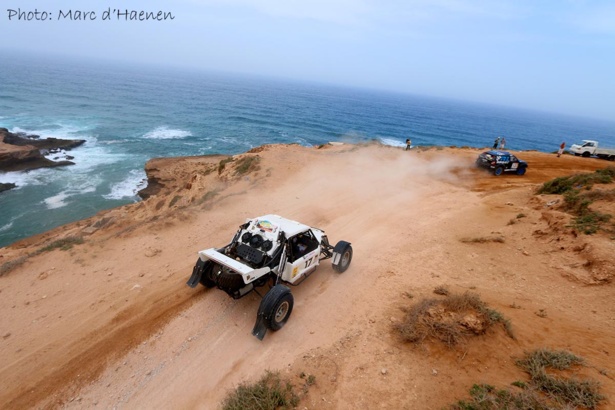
x=21 y=152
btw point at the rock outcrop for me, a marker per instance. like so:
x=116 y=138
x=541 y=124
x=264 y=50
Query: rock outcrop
x=20 y=152
x=6 y=187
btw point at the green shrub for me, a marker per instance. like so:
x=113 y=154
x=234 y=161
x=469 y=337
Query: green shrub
x=590 y=222
x=577 y=201
x=222 y=164
x=209 y=195
x=63 y=244
x=561 y=185
x=246 y=164
x=174 y=200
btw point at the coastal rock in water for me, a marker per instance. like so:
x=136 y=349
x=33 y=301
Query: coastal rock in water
x=21 y=153
x=6 y=187
x=50 y=144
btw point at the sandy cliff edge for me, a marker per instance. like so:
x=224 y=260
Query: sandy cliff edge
x=105 y=319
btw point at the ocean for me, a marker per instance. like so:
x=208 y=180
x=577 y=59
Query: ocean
x=129 y=114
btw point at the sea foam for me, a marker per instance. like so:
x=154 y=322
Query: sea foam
x=128 y=188
x=23 y=178
x=165 y=133
x=57 y=201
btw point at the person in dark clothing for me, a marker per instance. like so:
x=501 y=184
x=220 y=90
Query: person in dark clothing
x=561 y=149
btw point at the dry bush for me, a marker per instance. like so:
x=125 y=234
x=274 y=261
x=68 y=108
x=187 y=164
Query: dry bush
x=10 y=265
x=463 y=302
x=487 y=397
x=483 y=239
x=269 y=393
x=62 y=244
x=542 y=392
x=601 y=195
x=450 y=320
x=411 y=329
x=541 y=358
x=584 y=393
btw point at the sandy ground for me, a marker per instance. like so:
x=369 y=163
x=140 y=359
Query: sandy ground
x=110 y=322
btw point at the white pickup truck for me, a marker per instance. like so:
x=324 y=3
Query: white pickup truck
x=589 y=148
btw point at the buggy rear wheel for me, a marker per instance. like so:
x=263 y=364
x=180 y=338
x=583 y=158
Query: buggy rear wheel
x=498 y=171
x=200 y=274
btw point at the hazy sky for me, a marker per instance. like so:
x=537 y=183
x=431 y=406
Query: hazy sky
x=553 y=55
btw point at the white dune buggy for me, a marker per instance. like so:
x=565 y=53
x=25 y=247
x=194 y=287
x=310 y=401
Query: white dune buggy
x=268 y=250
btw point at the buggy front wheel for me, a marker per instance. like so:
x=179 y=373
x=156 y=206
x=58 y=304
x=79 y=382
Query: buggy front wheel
x=342 y=256
x=280 y=306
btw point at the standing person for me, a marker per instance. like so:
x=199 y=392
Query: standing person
x=408 y=144
x=502 y=143
x=561 y=149
x=496 y=143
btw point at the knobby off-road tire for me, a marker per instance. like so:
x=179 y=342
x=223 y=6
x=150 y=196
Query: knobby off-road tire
x=205 y=269
x=277 y=306
x=229 y=281
x=345 y=251
x=586 y=154
x=498 y=171
x=520 y=171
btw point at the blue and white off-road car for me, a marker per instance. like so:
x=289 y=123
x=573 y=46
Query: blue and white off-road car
x=499 y=162
x=268 y=250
